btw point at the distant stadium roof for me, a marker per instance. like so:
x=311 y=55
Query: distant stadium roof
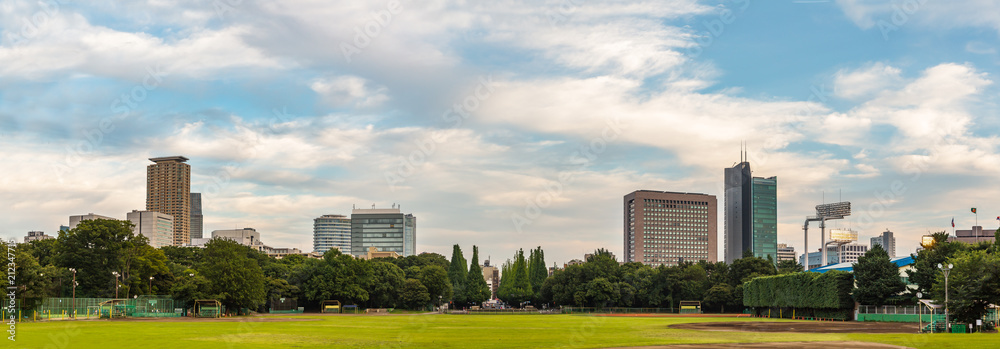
x=849 y=267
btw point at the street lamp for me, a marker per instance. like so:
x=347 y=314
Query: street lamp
x=920 y=320
x=74 y=291
x=150 y=285
x=115 y=273
x=947 y=270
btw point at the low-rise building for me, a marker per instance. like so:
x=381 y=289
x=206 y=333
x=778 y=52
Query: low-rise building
x=37 y=235
x=75 y=220
x=785 y=253
x=973 y=236
x=492 y=276
x=373 y=252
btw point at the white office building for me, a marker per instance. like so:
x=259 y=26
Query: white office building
x=75 y=220
x=155 y=226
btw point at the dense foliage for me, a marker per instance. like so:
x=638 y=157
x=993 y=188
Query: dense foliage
x=109 y=257
x=876 y=277
x=807 y=290
x=602 y=282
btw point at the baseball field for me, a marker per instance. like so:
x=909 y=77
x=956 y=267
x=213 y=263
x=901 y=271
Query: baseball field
x=481 y=331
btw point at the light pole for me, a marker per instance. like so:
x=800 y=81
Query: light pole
x=920 y=320
x=947 y=270
x=150 y=285
x=74 y=291
x=115 y=273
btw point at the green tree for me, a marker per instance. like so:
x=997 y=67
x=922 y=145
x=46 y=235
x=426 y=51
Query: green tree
x=789 y=266
x=876 y=277
x=384 y=285
x=537 y=272
x=234 y=276
x=718 y=296
x=458 y=273
x=190 y=286
x=30 y=280
x=435 y=278
x=414 y=294
x=477 y=291
x=972 y=285
x=925 y=271
x=518 y=287
x=97 y=248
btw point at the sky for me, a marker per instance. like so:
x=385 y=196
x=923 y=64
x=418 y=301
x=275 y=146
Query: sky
x=504 y=124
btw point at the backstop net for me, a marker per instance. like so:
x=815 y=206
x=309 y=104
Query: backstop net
x=141 y=306
x=284 y=305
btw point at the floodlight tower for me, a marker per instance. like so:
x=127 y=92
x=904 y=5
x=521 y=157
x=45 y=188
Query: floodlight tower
x=824 y=212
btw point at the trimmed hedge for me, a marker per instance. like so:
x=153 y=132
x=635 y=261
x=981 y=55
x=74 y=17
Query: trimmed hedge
x=806 y=290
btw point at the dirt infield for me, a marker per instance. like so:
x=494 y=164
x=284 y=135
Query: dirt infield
x=803 y=326
x=780 y=345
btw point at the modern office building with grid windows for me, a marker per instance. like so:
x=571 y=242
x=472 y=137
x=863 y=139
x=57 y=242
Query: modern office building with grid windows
x=669 y=227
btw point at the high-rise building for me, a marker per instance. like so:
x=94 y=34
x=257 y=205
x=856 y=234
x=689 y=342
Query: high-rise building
x=887 y=241
x=155 y=226
x=668 y=227
x=786 y=253
x=388 y=230
x=168 y=190
x=751 y=221
x=197 y=219
x=75 y=220
x=332 y=231
x=737 y=226
x=765 y=217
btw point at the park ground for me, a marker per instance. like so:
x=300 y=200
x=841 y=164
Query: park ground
x=479 y=331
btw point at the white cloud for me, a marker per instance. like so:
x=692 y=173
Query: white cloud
x=945 y=14
x=349 y=91
x=866 y=82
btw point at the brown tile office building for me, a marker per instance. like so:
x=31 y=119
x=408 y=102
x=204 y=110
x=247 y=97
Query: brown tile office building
x=668 y=227
x=168 y=190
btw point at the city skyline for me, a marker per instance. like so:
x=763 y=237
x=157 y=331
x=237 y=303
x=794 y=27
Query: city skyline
x=499 y=128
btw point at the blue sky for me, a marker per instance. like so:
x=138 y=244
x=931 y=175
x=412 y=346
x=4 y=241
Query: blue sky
x=506 y=125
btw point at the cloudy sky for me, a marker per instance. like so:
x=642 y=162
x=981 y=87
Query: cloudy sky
x=504 y=124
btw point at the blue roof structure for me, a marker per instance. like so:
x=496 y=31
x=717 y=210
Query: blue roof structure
x=849 y=267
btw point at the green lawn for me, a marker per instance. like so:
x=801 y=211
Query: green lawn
x=433 y=331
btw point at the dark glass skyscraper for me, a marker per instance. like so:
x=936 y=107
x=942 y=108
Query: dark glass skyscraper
x=751 y=214
x=197 y=219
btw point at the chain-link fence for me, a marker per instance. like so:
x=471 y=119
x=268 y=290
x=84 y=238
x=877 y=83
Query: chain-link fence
x=90 y=308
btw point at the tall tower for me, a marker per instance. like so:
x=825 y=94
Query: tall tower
x=197 y=224
x=168 y=190
x=738 y=201
x=751 y=213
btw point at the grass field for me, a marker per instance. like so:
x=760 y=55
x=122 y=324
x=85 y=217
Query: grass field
x=432 y=331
